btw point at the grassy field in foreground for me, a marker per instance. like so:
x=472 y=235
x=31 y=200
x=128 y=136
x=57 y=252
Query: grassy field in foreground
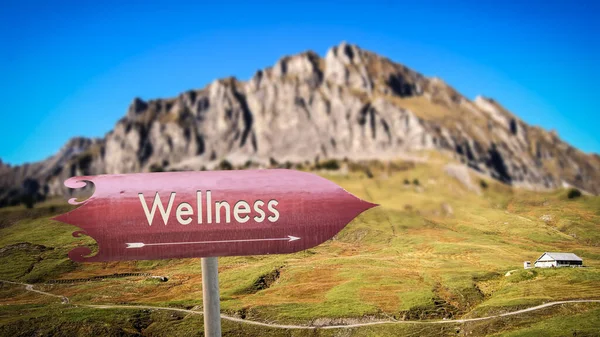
x=60 y=320
x=434 y=249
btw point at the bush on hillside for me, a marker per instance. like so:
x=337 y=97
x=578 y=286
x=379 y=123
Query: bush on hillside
x=574 y=193
x=28 y=200
x=30 y=192
x=156 y=168
x=483 y=184
x=225 y=165
x=331 y=164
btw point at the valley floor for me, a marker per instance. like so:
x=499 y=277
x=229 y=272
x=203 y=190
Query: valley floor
x=437 y=248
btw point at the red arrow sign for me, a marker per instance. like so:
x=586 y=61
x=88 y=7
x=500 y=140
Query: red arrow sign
x=201 y=214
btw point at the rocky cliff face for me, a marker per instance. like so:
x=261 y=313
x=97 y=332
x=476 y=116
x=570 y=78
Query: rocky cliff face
x=351 y=103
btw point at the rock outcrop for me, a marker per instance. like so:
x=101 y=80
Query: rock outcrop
x=351 y=103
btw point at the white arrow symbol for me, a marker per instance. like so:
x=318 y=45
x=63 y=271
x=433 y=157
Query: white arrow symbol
x=289 y=238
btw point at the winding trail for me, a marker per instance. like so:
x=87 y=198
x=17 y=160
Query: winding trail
x=29 y=287
x=65 y=300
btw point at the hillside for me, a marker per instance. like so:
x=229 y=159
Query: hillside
x=438 y=247
x=350 y=104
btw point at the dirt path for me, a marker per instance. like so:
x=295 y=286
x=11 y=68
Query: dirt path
x=65 y=300
x=29 y=287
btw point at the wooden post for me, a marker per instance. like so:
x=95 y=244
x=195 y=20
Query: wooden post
x=210 y=297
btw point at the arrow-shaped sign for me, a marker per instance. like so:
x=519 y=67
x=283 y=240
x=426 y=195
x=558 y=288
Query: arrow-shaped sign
x=181 y=211
x=289 y=238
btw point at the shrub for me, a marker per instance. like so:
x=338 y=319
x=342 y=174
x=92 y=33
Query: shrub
x=28 y=200
x=406 y=182
x=331 y=164
x=574 y=193
x=416 y=182
x=483 y=184
x=225 y=165
x=13 y=198
x=273 y=162
x=156 y=168
x=30 y=192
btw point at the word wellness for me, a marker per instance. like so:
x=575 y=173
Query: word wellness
x=184 y=211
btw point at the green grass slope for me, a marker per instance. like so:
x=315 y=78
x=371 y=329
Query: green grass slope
x=434 y=249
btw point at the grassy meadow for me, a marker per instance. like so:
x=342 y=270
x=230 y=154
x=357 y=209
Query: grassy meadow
x=436 y=248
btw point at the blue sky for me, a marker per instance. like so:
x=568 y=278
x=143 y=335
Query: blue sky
x=72 y=68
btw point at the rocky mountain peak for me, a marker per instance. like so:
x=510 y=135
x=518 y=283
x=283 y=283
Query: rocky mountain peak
x=351 y=103
x=301 y=65
x=347 y=54
x=137 y=106
x=350 y=66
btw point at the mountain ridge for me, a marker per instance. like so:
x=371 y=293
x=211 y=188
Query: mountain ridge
x=351 y=103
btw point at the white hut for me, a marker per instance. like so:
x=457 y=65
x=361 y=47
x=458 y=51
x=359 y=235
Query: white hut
x=550 y=260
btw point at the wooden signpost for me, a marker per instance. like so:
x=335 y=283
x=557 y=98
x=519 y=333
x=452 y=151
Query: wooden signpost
x=148 y=216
